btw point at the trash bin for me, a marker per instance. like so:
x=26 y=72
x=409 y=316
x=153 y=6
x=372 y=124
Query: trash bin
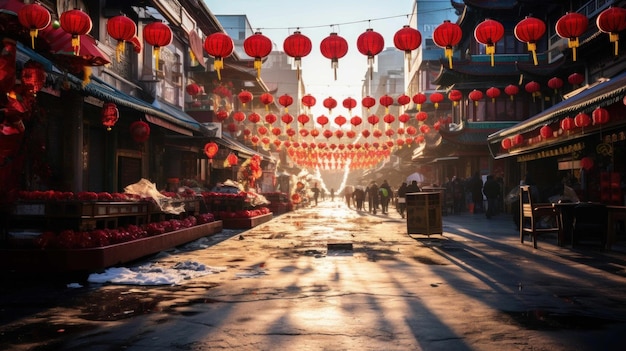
x=423 y=213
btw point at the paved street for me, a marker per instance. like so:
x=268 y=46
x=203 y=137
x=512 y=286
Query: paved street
x=331 y=278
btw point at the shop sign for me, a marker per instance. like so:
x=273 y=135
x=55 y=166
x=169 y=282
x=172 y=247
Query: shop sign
x=563 y=150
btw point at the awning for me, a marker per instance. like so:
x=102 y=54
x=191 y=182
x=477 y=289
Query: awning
x=234 y=145
x=61 y=46
x=162 y=115
x=600 y=95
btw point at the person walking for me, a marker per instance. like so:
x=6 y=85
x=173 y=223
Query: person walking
x=359 y=197
x=347 y=194
x=385 y=196
x=476 y=188
x=491 y=190
x=402 y=199
x=332 y=194
x=372 y=197
x=316 y=193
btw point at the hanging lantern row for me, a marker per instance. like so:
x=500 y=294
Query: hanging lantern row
x=599 y=117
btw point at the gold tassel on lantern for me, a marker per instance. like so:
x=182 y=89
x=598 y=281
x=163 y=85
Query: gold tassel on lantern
x=156 y=53
x=86 y=75
x=119 y=49
x=614 y=38
x=449 y=55
x=532 y=47
x=491 y=50
x=76 y=44
x=573 y=44
x=33 y=35
x=219 y=65
x=257 y=66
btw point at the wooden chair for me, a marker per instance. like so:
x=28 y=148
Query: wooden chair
x=532 y=214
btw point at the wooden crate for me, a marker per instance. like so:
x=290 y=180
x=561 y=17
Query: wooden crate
x=245 y=222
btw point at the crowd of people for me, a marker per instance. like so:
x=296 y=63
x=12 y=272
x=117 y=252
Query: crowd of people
x=460 y=195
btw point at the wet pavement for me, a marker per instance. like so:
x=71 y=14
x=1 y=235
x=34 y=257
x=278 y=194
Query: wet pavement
x=331 y=278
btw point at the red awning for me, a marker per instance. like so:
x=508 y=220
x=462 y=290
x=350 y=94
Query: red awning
x=60 y=42
x=61 y=46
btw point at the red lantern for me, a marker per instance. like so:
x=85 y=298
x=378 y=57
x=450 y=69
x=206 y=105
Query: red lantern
x=139 y=131
x=404 y=118
x=221 y=115
x=267 y=99
x=303 y=119
x=322 y=120
x=193 y=89
x=327 y=134
x=506 y=143
x=297 y=46
x=34 y=17
x=545 y=131
x=110 y=115
x=33 y=76
x=419 y=99
x=158 y=35
x=567 y=124
x=340 y=120
x=389 y=118
x=257 y=46
x=455 y=96
x=349 y=103
x=404 y=100
x=244 y=97
x=446 y=36
x=476 y=95
x=219 y=45
x=285 y=101
x=286 y=118
x=529 y=31
x=410 y=130
x=334 y=47
x=368 y=102
x=356 y=121
x=407 y=39
x=330 y=104
x=421 y=116
x=488 y=33
x=210 y=150
x=370 y=44
x=262 y=130
x=239 y=116
x=571 y=26
x=386 y=101
x=518 y=140
x=555 y=83
x=122 y=29
x=511 y=90
x=308 y=100
x=576 y=79
x=436 y=98
x=254 y=117
x=600 y=116
x=493 y=93
x=612 y=21
x=533 y=88
x=424 y=129
x=76 y=23
x=276 y=131
x=270 y=118
x=232 y=159
x=582 y=120
x=373 y=119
